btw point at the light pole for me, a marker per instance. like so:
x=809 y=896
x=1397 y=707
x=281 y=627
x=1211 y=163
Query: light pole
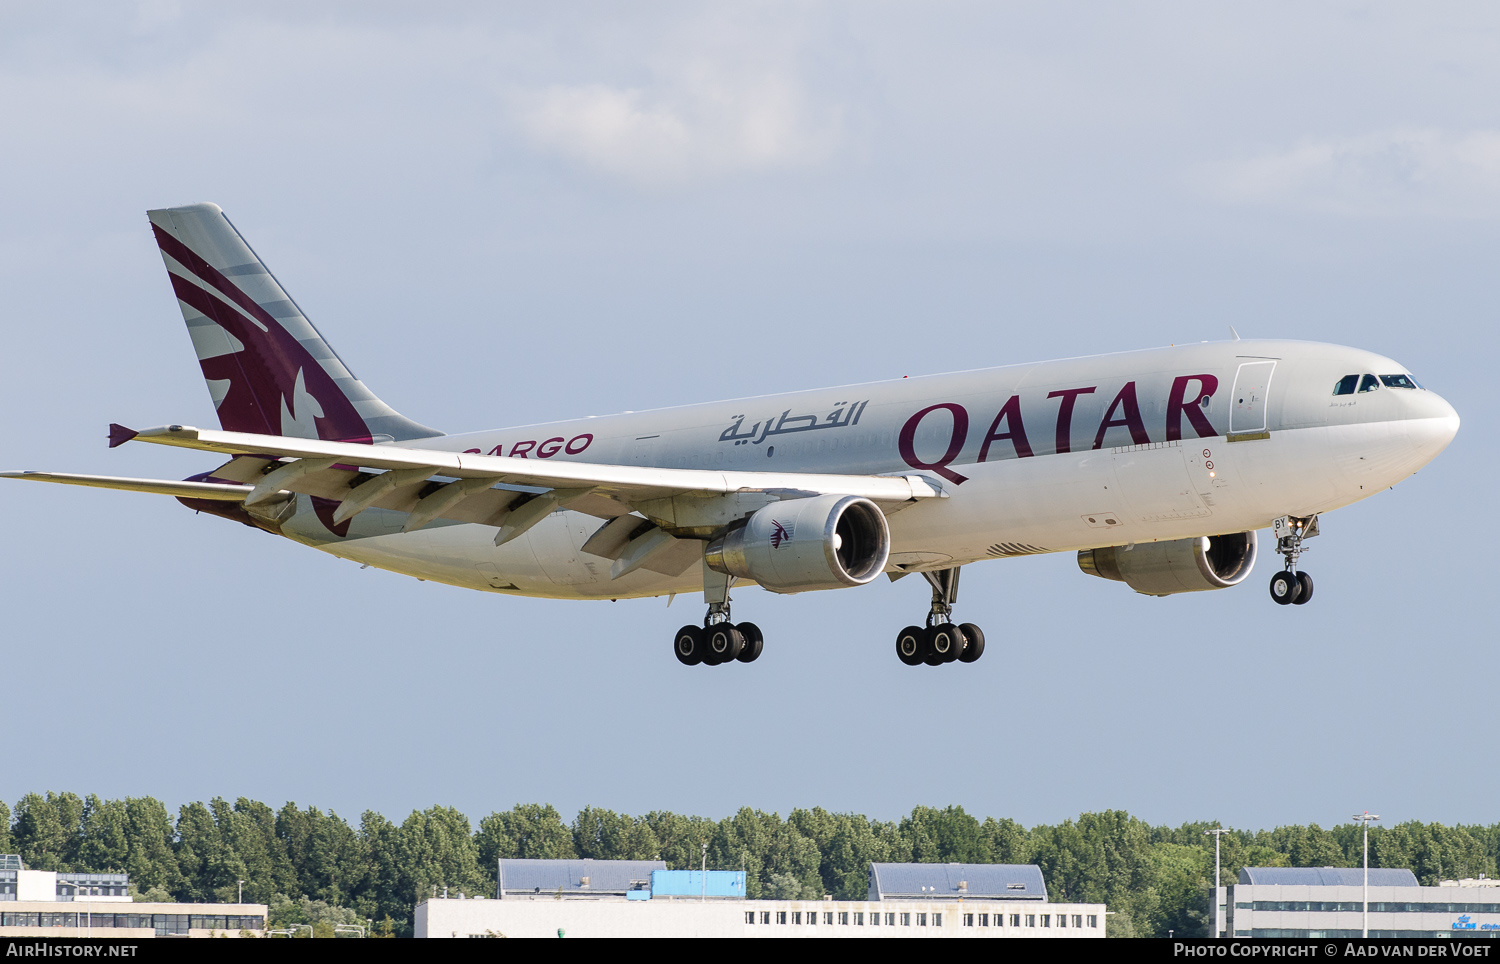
x=242 y=891
x=1218 y=920
x=703 y=879
x=1364 y=819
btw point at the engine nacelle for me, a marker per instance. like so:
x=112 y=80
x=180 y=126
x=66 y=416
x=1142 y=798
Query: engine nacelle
x=1182 y=565
x=825 y=542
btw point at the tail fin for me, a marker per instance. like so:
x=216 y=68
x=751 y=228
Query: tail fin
x=268 y=370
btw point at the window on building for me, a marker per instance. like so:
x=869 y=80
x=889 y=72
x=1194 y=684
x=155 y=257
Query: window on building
x=1077 y=920
x=875 y=919
x=796 y=917
x=984 y=919
x=937 y=920
x=765 y=917
x=1015 y=920
x=781 y=917
x=828 y=917
x=1046 y=920
x=749 y=916
x=968 y=920
x=859 y=919
x=843 y=918
x=1062 y=920
x=905 y=920
x=890 y=920
x=1030 y=920
x=921 y=920
x=1093 y=920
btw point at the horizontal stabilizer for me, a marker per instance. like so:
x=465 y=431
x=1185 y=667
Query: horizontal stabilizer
x=182 y=490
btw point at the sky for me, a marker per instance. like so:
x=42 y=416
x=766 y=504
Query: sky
x=501 y=214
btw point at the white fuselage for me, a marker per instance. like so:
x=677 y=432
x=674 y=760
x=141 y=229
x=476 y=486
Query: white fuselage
x=1168 y=443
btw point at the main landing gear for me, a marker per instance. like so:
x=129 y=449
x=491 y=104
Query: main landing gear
x=718 y=640
x=1291 y=587
x=940 y=641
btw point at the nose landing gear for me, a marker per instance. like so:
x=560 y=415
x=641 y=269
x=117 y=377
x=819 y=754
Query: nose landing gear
x=940 y=641
x=1291 y=587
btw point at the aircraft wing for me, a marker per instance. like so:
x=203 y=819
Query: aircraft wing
x=430 y=484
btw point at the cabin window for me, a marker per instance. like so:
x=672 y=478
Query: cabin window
x=1368 y=384
x=1397 y=381
x=1346 y=385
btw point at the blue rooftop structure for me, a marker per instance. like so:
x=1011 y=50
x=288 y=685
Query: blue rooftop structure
x=953 y=881
x=1327 y=876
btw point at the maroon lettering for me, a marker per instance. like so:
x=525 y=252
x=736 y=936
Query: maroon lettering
x=1131 y=419
x=521 y=448
x=497 y=450
x=1178 y=405
x=906 y=441
x=549 y=448
x=587 y=439
x=1010 y=413
x=473 y=452
x=1069 y=398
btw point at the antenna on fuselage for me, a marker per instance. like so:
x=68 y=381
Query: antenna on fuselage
x=1234 y=334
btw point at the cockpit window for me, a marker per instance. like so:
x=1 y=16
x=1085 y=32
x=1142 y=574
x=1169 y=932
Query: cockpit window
x=1346 y=385
x=1397 y=381
x=1368 y=384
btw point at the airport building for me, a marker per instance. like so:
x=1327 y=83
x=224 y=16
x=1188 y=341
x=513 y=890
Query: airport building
x=1329 y=902
x=608 y=898
x=46 y=903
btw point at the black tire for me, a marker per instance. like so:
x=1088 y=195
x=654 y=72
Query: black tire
x=911 y=645
x=722 y=643
x=753 y=642
x=944 y=644
x=688 y=645
x=1304 y=588
x=1284 y=588
x=974 y=640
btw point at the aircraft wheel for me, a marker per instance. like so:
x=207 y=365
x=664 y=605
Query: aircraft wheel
x=911 y=645
x=753 y=642
x=689 y=645
x=1304 y=588
x=722 y=643
x=974 y=640
x=1285 y=588
x=945 y=643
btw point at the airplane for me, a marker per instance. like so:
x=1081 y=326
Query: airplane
x=1156 y=467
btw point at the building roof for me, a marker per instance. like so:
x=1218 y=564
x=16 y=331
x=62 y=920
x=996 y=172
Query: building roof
x=567 y=876
x=947 y=881
x=1328 y=876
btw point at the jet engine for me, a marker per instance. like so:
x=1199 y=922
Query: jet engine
x=1182 y=565
x=824 y=542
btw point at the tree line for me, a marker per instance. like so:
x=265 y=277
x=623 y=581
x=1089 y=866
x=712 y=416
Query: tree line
x=311 y=866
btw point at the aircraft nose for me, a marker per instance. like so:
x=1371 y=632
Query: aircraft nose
x=1432 y=424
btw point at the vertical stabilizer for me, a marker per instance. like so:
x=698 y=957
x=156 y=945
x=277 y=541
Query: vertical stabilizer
x=268 y=370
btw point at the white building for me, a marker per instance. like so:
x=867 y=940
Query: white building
x=1329 y=902
x=46 y=903
x=906 y=900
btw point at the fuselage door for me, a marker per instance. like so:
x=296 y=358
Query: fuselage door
x=1247 y=410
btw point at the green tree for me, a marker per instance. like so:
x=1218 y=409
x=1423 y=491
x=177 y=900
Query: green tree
x=47 y=830
x=529 y=831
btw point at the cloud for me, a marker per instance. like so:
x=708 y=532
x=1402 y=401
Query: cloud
x=1388 y=173
x=704 y=122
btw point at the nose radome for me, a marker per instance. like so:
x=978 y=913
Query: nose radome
x=1432 y=425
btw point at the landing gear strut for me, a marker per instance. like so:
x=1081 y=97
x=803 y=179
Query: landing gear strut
x=718 y=640
x=1291 y=586
x=940 y=641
